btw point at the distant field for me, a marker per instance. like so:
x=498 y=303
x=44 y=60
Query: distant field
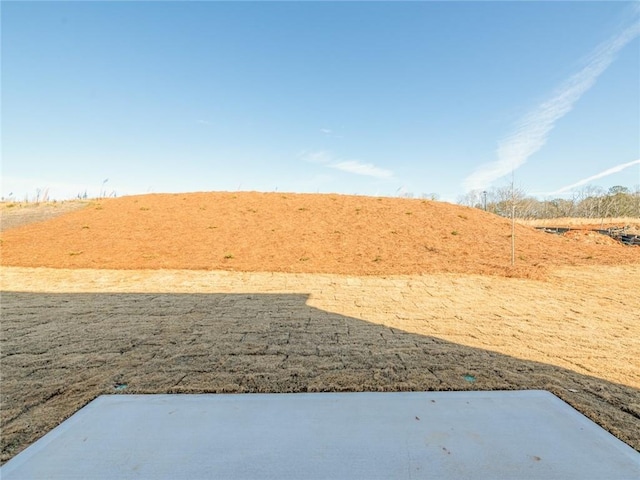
x=632 y=223
x=256 y=292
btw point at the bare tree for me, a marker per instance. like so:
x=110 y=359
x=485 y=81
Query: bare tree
x=589 y=202
x=430 y=196
x=471 y=199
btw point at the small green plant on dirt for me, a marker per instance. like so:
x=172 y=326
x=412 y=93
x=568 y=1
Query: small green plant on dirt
x=377 y=259
x=73 y=254
x=304 y=259
x=144 y=209
x=211 y=227
x=395 y=232
x=229 y=256
x=303 y=209
x=469 y=378
x=455 y=232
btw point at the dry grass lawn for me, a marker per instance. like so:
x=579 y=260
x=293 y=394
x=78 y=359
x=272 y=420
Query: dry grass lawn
x=436 y=311
x=630 y=224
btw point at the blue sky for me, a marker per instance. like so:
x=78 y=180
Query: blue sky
x=361 y=98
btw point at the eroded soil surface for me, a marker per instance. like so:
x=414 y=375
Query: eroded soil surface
x=274 y=232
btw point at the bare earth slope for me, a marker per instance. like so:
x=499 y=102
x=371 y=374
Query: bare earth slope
x=275 y=232
x=329 y=293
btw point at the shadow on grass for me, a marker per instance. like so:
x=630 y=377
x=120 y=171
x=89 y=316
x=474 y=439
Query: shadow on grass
x=60 y=351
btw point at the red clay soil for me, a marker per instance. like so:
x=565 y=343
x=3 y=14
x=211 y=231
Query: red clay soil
x=275 y=232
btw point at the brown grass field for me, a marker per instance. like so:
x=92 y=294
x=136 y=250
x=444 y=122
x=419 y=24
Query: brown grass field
x=630 y=224
x=251 y=292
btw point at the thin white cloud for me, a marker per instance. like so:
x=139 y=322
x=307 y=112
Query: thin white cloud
x=329 y=133
x=532 y=131
x=351 y=166
x=359 y=168
x=605 y=173
x=316 y=157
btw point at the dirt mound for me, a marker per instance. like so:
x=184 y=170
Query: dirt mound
x=589 y=236
x=628 y=228
x=249 y=231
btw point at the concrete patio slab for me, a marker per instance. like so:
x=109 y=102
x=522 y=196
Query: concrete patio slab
x=451 y=435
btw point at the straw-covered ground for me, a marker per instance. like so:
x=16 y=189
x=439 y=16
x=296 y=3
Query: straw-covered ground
x=249 y=292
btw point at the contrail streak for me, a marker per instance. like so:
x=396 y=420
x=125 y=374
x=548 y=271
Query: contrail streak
x=532 y=131
x=605 y=173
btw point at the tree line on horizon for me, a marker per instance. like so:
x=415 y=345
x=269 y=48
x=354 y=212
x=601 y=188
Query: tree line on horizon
x=588 y=202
